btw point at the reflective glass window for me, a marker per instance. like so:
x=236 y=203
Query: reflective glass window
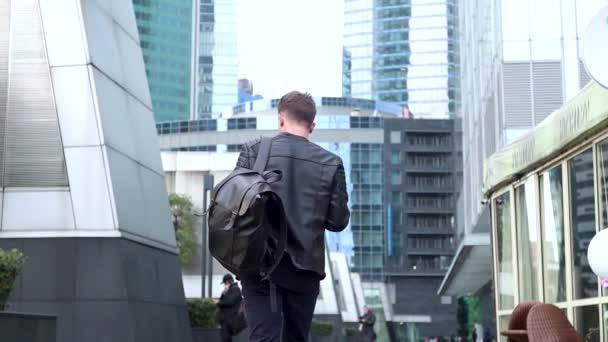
x=587 y=323
x=396 y=178
x=503 y=324
x=554 y=263
x=504 y=238
x=396 y=199
x=605 y=319
x=602 y=160
x=396 y=157
x=527 y=241
x=582 y=212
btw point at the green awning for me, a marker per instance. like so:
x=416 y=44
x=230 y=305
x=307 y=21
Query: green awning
x=577 y=120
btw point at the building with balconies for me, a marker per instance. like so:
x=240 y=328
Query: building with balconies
x=422 y=167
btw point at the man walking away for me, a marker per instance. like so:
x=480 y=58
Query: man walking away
x=228 y=307
x=313 y=192
x=367 y=321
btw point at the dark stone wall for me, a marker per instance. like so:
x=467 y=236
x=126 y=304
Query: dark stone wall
x=102 y=289
x=19 y=327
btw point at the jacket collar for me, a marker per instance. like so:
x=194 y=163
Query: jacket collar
x=289 y=135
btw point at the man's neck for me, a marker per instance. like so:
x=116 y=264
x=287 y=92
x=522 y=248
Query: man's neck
x=300 y=132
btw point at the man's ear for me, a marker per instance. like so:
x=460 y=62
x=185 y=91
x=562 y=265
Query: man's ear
x=312 y=127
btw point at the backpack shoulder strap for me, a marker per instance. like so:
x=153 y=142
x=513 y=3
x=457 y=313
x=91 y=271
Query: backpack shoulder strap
x=263 y=155
x=280 y=252
x=282 y=241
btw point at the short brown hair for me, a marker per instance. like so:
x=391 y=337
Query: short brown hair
x=299 y=106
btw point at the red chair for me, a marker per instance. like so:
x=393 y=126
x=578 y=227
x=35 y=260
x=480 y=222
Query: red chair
x=547 y=323
x=518 y=330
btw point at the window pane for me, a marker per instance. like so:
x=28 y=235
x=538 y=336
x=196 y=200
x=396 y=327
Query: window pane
x=605 y=317
x=396 y=157
x=553 y=236
x=503 y=324
x=505 y=252
x=603 y=175
x=396 y=197
x=587 y=323
x=396 y=178
x=582 y=199
x=395 y=137
x=526 y=211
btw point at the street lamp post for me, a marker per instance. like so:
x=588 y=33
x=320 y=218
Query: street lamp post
x=206 y=262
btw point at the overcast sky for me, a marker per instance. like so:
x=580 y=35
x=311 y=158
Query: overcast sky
x=291 y=44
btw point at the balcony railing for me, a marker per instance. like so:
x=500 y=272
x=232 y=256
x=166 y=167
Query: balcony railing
x=430 y=148
x=429 y=168
x=430 y=251
x=430 y=231
x=428 y=210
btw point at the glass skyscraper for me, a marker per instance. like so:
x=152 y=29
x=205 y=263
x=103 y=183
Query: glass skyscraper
x=346 y=73
x=218 y=57
x=405 y=51
x=165 y=33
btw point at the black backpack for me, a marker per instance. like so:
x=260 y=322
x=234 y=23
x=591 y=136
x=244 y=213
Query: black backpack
x=247 y=224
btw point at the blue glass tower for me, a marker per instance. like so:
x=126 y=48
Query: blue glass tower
x=405 y=51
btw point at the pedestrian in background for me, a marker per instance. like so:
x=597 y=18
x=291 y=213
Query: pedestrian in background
x=229 y=306
x=366 y=325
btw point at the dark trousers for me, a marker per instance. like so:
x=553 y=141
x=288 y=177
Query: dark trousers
x=225 y=333
x=291 y=322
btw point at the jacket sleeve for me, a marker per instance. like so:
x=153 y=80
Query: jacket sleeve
x=230 y=299
x=338 y=213
x=243 y=158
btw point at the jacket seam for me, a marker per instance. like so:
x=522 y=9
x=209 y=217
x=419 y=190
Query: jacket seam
x=296 y=158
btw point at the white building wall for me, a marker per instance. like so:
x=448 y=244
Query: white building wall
x=87 y=121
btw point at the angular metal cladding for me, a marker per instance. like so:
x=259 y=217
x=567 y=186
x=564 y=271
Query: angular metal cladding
x=83 y=192
x=32 y=151
x=76 y=122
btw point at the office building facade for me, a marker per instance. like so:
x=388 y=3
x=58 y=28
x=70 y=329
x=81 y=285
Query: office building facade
x=165 y=33
x=405 y=51
x=217 y=64
x=191 y=56
x=421 y=170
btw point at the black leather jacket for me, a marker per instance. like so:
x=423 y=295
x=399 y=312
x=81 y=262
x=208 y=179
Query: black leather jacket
x=313 y=192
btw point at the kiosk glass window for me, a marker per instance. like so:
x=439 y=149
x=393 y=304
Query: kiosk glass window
x=602 y=162
x=528 y=240
x=587 y=322
x=504 y=238
x=554 y=260
x=582 y=213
